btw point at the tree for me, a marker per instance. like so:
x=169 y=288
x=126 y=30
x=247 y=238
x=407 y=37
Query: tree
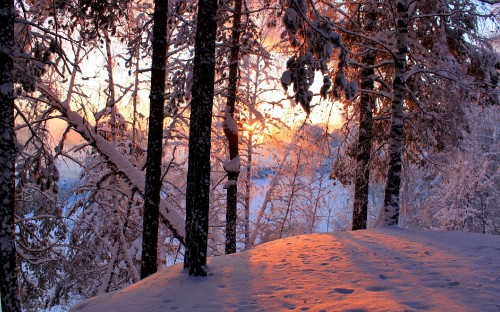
x=10 y=301
x=155 y=134
x=198 y=179
x=256 y=74
x=8 y=270
x=390 y=209
x=460 y=193
x=460 y=61
x=231 y=132
x=367 y=18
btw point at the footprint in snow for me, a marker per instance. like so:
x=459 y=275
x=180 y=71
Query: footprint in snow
x=344 y=291
x=417 y=305
x=376 y=288
x=382 y=276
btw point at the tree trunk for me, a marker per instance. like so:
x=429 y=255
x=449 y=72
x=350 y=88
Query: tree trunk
x=248 y=188
x=198 y=178
x=154 y=152
x=9 y=289
x=366 y=103
x=390 y=210
x=232 y=133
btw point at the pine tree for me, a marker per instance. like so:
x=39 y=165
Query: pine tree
x=154 y=153
x=198 y=179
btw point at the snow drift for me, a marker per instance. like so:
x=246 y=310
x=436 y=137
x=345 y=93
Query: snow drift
x=373 y=270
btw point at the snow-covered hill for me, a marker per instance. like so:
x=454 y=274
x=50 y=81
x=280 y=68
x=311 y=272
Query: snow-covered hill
x=373 y=270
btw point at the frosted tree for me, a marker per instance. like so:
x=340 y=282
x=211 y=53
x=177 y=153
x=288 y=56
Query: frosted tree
x=295 y=201
x=460 y=193
x=451 y=69
x=430 y=52
x=115 y=158
x=257 y=73
x=314 y=40
x=366 y=63
x=105 y=214
x=241 y=34
x=40 y=224
x=36 y=176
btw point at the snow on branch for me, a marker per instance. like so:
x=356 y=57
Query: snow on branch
x=233 y=165
x=173 y=220
x=229 y=124
x=315 y=40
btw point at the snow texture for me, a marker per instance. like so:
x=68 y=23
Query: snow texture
x=386 y=269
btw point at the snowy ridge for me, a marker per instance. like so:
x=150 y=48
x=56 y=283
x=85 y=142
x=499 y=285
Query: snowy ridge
x=373 y=270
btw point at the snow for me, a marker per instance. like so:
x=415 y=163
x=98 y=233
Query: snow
x=386 y=269
x=230 y=123
x=233 y=165
x=229 y=183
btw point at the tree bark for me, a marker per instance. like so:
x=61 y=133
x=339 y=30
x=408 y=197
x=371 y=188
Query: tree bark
x=9 y=289
x=248 y=188
x=149 y=256
x=365 y=133
x=198 y=178
x=231 y=134
x=390 y=210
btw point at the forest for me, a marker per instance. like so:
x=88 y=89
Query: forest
x=139 y=134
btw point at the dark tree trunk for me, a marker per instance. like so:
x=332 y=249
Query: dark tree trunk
x=8 y=271
x=198 y=178
x=154 y=152
x=390 y=210
x=248 y=187
x=361 y=184
x=231 y=133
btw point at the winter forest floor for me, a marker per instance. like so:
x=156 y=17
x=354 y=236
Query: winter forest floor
x=372 y=270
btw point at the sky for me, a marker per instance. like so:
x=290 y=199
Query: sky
x=387 y=269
